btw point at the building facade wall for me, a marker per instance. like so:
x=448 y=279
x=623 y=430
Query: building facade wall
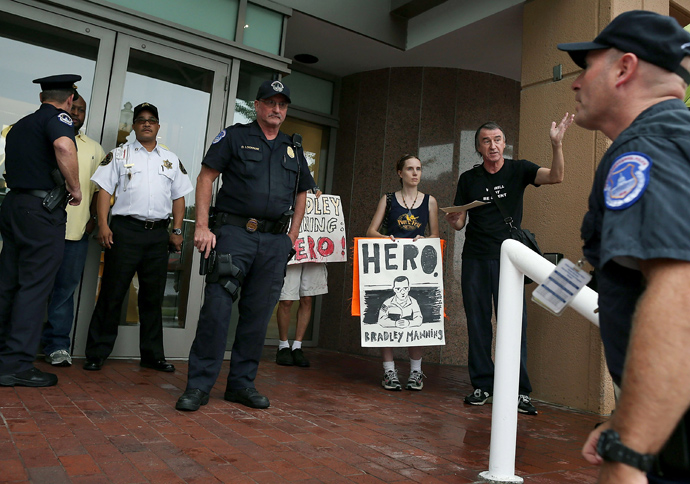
x=431 y=112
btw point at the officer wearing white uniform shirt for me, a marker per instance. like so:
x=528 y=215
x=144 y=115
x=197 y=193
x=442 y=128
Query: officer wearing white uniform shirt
x=149 y=183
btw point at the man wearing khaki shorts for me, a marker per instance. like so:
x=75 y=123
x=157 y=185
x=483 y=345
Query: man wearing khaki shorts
x=302 y=282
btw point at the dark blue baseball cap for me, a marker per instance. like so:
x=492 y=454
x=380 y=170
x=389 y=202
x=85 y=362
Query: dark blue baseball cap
x=654 y=38
x=60 y=82
x=145 y=107
x=271 y=88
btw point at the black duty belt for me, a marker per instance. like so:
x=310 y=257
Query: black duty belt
x=36 y=193
x=249 y=224
x=147 y=224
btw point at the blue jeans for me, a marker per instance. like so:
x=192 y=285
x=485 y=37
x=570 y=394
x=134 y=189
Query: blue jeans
x=61 y=304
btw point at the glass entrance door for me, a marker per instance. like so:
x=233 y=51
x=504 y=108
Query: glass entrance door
x=189 y=92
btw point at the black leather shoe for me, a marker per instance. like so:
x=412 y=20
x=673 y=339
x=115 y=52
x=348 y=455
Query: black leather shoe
x=191 y=400
x=249 y=397
x=160 y=365
x=33 y=377
x=93 y=364
x=299 y=358
x=284 y=357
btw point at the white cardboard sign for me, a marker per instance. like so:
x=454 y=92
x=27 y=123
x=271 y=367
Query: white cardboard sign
x=401 y=292
x=322 y=232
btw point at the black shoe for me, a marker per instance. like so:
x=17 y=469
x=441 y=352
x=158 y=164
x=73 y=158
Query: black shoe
x=249 y=397
x=479 y=397
x=33 y=377
x=299 y=358
x=160 y=365
x=284 y=357
x=93 y=364
x=191 y=400
x=525 y=405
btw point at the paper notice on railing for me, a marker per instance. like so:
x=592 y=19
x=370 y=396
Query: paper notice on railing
x=561 y=287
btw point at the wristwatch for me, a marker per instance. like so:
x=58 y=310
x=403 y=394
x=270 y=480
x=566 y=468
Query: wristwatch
x=315 y=189
x=177 y=231
x=610 y=448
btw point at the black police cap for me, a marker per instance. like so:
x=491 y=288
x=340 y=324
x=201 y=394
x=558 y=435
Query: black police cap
x=654 y=38
x=60 y=82
x=145 y=107
x=271 y=88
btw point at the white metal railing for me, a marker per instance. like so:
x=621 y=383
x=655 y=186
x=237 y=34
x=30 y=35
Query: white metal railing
x=516 y=262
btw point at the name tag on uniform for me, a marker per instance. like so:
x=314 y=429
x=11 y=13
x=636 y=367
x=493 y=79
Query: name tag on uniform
x=561 y=287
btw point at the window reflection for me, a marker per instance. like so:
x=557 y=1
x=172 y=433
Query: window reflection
x=182 y=94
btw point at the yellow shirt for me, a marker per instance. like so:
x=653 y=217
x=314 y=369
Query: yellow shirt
x=90 y=155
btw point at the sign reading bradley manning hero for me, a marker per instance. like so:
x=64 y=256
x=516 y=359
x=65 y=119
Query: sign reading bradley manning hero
x=401 y=292
x=322 y=233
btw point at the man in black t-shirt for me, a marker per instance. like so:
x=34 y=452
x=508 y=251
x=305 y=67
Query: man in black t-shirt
x=485 y=234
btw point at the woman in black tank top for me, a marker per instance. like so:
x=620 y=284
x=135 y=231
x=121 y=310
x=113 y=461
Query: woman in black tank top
x=410 y=214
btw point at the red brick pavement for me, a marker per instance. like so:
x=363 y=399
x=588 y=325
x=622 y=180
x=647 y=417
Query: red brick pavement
x=330 y=423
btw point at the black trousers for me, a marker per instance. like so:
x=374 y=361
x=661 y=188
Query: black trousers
x=479 y=289
x=33 y=244
x=140 y=250
x=263 y=258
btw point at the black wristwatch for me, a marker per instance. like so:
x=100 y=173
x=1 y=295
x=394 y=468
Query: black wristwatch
x=610 y=448
x=177 y=231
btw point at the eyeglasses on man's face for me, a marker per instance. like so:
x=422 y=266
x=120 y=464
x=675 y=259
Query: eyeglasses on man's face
x=141 y=120
x=271 y=103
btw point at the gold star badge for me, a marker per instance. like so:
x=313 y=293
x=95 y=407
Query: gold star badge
x=167 y=164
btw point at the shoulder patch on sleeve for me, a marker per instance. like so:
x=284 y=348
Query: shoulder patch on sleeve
x=108 y=158
x=627 y=180
x=220 y=136
x=182 y=167
x=64 y=117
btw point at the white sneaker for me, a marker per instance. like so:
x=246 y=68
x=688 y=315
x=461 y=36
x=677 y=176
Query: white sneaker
x=59 y=358
x=415 y=381
x=390 y=380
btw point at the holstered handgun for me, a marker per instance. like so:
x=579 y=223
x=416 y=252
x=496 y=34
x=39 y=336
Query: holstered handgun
x=208 y=264
x=218 y=268
x=57 y=197
x=281 y=226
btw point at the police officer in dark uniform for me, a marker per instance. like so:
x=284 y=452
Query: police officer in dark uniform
x=264 y=174
x=637 y=236
x=42 y=173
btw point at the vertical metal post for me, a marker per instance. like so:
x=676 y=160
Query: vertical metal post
x=516 y=262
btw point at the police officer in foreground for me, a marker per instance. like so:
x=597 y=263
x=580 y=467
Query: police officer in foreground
x=149 y=183
x=637 y=236
x=43 y=175
x=264 y=175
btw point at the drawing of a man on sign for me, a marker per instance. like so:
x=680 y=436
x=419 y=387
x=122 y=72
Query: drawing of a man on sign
x=401 y=310
x=400 y=292
x=322 y=233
